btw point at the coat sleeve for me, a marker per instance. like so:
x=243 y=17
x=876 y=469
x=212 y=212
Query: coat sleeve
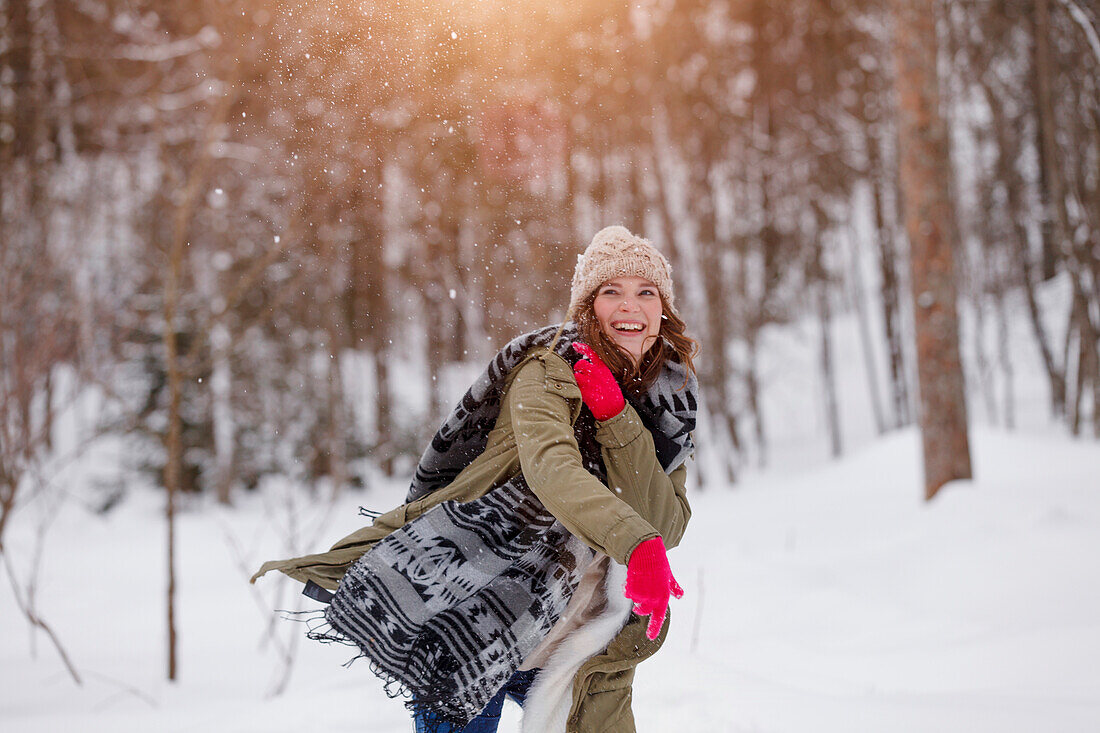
x=540 y=410
x=635 y=474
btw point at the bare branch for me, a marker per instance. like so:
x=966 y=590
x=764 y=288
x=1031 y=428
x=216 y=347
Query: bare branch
x=36 y=620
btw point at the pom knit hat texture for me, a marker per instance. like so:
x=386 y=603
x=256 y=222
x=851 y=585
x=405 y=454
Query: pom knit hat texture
x=615 y=252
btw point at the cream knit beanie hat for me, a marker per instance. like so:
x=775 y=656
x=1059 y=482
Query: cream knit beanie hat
x=615 y=252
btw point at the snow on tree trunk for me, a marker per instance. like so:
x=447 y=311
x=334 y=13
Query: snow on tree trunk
x=925 y=173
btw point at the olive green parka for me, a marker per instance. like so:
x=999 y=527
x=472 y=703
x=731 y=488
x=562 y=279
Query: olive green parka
x=534 y=434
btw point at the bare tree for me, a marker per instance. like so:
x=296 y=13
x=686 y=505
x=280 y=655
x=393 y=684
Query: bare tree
x=929 y=213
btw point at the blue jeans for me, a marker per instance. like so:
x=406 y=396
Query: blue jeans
x=489 y=718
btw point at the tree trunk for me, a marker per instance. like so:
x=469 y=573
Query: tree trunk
x=1008 y=149
x=715 y=373
x=221 y=411
x=1087 y=363
x=828 y=380
x=925 y=172
x=335 y=425
x=865 y=339
x=1052 y=192
x=173 y=283
x=371 y=312
x=752 y=386
x=174 y=443
x=891 y=298
x=637 y=198
x=434 y=355
x=818 y=277
x=1005 y=357
x=984 y=368
x=1055 y=374
x=383 y=411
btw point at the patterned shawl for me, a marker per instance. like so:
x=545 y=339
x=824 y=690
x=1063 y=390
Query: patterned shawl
x=447 y=607
x=668 y=410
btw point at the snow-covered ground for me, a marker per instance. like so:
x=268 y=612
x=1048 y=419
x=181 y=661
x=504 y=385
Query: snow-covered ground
x=821 y=596
x=828 y=599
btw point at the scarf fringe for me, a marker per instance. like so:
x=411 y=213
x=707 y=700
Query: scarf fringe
x=438 y=714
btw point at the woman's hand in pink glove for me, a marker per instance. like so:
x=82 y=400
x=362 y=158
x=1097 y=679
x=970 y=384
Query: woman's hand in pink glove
x=649 y=583
x=599 y=390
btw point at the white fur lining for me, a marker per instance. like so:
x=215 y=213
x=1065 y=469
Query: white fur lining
x=550 y=698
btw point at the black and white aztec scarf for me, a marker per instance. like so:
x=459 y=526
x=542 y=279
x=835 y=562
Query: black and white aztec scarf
x=448 y=607
x=668 y=410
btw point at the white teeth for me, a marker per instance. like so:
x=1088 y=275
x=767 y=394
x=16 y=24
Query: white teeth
x=627 y=326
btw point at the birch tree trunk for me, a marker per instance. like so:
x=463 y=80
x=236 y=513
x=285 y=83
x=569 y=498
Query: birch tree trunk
x=925 y=175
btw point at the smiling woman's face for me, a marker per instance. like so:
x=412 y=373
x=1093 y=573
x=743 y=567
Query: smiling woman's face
x=629 y=312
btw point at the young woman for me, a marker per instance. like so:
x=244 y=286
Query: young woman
x=538 y=519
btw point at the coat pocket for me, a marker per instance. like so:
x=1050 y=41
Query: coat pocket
x=606 y=710
x=562 y=386
x=607 y=681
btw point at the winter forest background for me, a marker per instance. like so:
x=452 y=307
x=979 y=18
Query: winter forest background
x=253 y=251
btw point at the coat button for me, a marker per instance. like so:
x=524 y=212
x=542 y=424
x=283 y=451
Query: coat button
x=557 y=386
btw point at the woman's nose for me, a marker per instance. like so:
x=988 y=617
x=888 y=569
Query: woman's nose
x=628 y=304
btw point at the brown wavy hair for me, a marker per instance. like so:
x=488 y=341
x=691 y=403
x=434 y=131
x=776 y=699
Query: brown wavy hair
x=672 y=343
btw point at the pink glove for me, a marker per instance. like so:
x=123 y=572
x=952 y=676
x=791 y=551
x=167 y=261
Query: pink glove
x=599 y=390
x=649 y=583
